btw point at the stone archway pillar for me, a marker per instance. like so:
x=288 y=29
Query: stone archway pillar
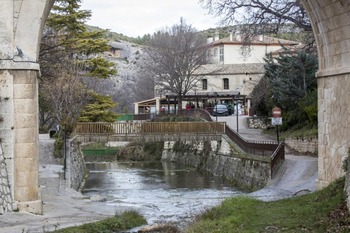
x=21 y=25
x=331 y=25
x=19 y=110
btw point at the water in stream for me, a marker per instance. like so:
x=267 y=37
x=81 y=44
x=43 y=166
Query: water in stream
x=161 y=191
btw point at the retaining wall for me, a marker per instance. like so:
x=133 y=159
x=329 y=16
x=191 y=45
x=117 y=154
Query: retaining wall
x=304 y=146
x=255 y=122
x=219 y=159
x=6 y=201
x=76 y=165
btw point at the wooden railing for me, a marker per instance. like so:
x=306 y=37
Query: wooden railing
x=261 y=148
x=277 y=158
x=142 y=128
x=264 y=148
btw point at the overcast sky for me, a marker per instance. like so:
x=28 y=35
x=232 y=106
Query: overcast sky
x=139 y=17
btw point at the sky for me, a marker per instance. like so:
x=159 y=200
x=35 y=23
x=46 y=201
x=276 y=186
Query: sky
x=139 y=17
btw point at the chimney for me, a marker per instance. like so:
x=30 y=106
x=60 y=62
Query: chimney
x=216 y=36
x=231 y=36
x=261 y=38
x=238 y=36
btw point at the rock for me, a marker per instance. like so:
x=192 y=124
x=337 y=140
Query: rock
x=98 y=198
x=159 y=228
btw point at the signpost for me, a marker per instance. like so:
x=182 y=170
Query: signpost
x=276 y=119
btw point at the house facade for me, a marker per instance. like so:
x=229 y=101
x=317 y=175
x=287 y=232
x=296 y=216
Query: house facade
x=232 y=72
x=236 y=68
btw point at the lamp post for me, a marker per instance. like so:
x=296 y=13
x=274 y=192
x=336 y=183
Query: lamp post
x=216 y=106
x=195 y=94
x=237 y=110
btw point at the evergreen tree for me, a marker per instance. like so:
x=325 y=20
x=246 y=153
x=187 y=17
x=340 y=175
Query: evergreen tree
x=69 y=52
x=290 y=84
x=67 y=40
x=98 y=109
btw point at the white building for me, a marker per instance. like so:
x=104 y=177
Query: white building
x=235 y=67
x=232 y=50
x=234 y=70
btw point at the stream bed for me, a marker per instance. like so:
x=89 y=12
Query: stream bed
x=160 y=191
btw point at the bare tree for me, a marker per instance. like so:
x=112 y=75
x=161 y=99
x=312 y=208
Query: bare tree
x=173 y=56
x=67 y=96
x=260 y=16
x=144 y=84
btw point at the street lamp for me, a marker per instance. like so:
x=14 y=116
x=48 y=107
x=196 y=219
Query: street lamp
x=195 y=94
x=216 y=106
x=237 y=109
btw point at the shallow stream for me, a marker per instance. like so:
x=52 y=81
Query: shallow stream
x=161 y=191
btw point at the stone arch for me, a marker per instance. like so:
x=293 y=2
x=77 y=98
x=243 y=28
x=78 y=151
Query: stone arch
x=331 y=25
x=21 y=25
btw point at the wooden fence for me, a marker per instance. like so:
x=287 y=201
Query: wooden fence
x=156 y=129
x=264 y=148
x=144 y=128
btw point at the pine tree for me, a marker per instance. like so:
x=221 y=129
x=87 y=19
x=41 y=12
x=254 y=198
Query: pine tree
x=98 y=109
x=289 y=83
x=69 y=52
x=293 y=82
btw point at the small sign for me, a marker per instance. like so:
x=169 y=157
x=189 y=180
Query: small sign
x=276 y=120
x=276 y=112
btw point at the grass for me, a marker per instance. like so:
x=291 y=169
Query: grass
x=322 y=211
x=95 y=145
x=125 y=221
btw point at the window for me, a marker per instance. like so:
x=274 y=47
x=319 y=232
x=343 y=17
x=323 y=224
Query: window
x=226 y=84
x=204 y=84
x=221 y=53
x=215 y=52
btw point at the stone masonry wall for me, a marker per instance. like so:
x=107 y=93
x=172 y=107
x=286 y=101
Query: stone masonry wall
x=259 y=122
x=347 y=179
x=77 y=165
x=330 y=24
x=220 y=160
x=6 y=201
x=304 y=146
x=333 y=127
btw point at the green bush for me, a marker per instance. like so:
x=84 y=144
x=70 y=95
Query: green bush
x=58 y=148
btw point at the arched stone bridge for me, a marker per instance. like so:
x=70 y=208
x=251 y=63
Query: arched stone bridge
x=21 y=24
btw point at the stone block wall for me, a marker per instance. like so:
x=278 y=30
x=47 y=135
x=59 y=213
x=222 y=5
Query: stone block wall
x=330 y=24
x=333 y=127
x=347 y=179
x=76 y=165
x=303 y=146
x=220 y=160
x=6 y=201
x=259 y=122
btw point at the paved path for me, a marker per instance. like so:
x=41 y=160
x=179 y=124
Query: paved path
x=62 y=206
x=297 y=175
x=243 y=130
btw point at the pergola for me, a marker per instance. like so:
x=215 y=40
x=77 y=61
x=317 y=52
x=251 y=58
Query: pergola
x=171 y=100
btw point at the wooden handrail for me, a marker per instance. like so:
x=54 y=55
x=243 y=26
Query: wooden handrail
x=149 y=128
x=262 y=148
